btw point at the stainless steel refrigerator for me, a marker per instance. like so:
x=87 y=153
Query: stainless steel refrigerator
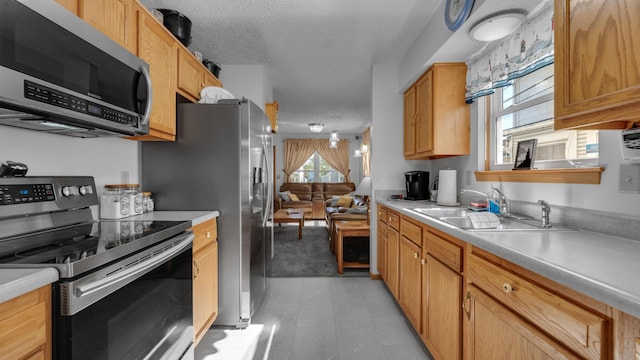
x=222 y=160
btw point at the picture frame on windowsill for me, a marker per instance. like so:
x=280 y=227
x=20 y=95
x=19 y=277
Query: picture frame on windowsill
x=525 y=154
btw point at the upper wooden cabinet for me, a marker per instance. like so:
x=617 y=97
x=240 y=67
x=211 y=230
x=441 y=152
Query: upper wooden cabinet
x=192 y=75
x=436 y=116
x=597 y=63
x=114 y=18
x=159 y=49
x=272 y=113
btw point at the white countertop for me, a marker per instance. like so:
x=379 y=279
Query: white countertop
x=196 y=217
x=16 y=282
x=601 y=266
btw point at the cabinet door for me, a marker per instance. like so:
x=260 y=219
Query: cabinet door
x=424 y=119
x=498 y=334
x=25 y=326
x=159 y=49
x=411 y=281
x=597 y=63
x=410 y=121
x=442 y=313
x=71 y=5
x=190 y=75
x=393 y=257
x=114 y=18
x=382 y=249
x=210 y=80
x=205 y=290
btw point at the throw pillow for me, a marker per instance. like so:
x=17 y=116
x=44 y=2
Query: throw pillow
x=293 y=197
x=344 y=201
x=334 y=200
x=357 y=210
x=284 y=196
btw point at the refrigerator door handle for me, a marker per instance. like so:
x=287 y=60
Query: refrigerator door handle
x=269 y=204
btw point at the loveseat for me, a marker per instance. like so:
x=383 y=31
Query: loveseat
x=305 y=194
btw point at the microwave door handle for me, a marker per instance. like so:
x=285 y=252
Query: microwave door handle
x=147 y=77
x=133 y=272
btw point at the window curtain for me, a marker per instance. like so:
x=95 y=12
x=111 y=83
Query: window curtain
x=528 y=49
x=337 y=158
x=296 y=152
x=366 y=140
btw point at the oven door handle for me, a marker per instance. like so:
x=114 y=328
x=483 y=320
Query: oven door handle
x=126 y=276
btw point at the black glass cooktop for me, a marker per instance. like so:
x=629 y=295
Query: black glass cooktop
x=84 y=247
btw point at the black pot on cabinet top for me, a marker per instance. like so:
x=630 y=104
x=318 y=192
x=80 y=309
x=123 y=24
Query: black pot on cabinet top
x=213 y=67
x=178 y=24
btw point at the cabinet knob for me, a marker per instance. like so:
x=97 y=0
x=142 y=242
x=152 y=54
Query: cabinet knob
x=415 y=255
x=208 y=234
x=197 y=269
x=507 y=288
x=423 y=261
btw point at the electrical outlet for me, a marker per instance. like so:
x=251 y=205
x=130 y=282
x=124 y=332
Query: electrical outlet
x=630 y=178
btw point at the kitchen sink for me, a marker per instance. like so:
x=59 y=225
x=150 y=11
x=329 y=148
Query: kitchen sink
x=458 y=218
x=443 y=212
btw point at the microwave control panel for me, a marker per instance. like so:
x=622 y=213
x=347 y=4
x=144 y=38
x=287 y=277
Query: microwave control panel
x=630 y=140
x=58 y=98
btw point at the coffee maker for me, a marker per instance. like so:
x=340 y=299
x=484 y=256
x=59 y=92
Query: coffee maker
x=417 y=184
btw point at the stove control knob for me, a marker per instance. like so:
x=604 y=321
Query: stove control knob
x=69 y=191
x=86 y=190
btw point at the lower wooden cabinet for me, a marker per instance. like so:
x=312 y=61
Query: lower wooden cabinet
x=205 y=277
x=441 y=311
x=25 y=326
x=497 y=333
x=393 y=261
x=410 y=294
x=382 y=242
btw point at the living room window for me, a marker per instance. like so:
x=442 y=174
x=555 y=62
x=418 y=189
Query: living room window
x=522 y=111
x=316 y=169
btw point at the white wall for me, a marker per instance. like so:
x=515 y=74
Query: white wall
x=387 y=155
x=250 y=81
x=355 y=164
x=47 y=154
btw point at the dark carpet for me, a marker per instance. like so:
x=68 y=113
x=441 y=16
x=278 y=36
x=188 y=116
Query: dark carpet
x=310 y=256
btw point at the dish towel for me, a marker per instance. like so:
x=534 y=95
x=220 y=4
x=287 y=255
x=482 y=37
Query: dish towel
x=484 y=220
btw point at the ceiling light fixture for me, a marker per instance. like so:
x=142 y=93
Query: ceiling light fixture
x=498 y=25
x=334 y=136
x=316 y=127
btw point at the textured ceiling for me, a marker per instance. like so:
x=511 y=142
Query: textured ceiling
x=318 y=53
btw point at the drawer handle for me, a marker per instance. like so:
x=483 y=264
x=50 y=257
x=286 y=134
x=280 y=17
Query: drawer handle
x=464 y=303
x=508 y=288
x=197 y=272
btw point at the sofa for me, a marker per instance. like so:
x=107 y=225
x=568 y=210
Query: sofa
x=305 y=194
x=356 y=209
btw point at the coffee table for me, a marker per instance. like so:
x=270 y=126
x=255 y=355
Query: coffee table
x=290 y=216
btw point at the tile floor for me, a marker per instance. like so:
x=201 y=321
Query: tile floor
x=339 y=318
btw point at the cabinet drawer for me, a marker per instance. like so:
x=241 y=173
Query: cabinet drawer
x=412 y=232
x=577 y=328
x=382 y=214
x=205 y=233
x=23 y=331
x=443 y=250
x=393 y=220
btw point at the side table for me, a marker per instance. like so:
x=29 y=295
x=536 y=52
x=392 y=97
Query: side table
x=344 y=229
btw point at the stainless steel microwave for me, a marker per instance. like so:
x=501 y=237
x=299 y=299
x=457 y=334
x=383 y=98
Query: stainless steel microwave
x=60 y=75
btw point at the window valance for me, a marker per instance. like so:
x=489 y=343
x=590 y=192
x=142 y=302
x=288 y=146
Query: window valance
x=526 y=50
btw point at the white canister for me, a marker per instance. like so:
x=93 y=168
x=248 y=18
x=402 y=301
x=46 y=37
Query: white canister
x=447 y=188
x=115 y=203
x=135 y=199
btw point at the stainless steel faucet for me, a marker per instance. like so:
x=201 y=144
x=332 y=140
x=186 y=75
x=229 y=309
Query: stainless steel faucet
x=546 y=223
x=505 y=206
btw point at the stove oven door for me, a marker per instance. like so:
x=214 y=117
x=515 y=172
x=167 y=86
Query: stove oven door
x=129 y=311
